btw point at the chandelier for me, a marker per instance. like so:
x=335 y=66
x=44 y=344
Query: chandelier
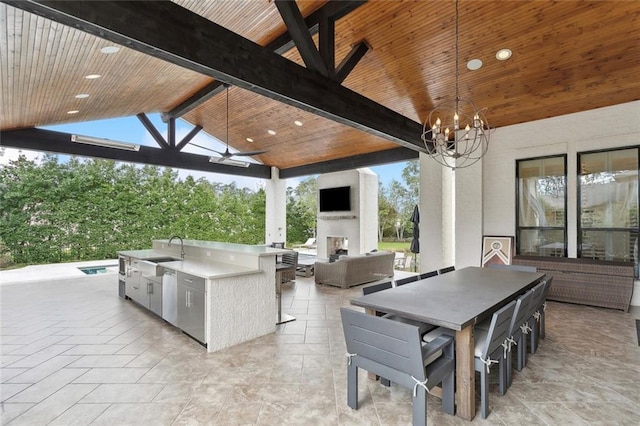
x=456 y=133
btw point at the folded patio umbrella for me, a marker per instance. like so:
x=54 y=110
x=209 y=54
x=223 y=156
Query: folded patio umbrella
x=415 y=241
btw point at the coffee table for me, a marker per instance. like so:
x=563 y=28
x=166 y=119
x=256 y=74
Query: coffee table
x=305 y=265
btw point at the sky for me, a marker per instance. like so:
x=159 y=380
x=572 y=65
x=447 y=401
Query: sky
x=129 y=129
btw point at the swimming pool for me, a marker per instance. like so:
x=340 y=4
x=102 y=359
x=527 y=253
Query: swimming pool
x=94 y=270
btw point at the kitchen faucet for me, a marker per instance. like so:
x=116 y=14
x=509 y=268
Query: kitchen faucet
x=181 y=245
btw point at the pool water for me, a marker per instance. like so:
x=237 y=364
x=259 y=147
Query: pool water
x=94 y=270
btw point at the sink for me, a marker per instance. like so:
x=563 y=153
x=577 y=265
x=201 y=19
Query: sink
x=162 y=259
x=152 y=267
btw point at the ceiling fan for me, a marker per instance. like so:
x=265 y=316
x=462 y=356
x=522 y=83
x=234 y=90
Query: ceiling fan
x=225 y=157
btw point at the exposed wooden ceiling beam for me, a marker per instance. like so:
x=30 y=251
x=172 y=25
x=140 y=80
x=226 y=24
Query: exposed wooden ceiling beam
x=283 y=43
x=60 y=143
x=327 y=43
x=363 y=160
x=296 y=26
x=205 y=47
x=57 y=142
x=351 y=60
x=187 y=138
x=152 y=130
x=201 y=96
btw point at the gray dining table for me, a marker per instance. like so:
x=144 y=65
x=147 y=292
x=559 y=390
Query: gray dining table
x=456 y=300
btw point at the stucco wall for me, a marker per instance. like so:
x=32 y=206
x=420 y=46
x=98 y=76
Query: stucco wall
x=457 y=208
x=604 y=128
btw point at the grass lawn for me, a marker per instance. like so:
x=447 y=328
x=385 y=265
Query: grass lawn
x=394 y=246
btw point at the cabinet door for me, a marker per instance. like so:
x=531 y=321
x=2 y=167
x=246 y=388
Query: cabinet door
x=132 y=286
x=191 y=305
x=191 y=312
x=195 y=326
x=155 y=298
x=144 y=292
x=183 y=308
x=133 y=280
x=129 y=289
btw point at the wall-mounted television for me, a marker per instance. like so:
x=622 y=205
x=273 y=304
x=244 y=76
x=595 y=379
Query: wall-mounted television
x=335 y=199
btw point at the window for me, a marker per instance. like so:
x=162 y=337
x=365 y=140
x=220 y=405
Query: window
x=608 y=209
x=541 y=228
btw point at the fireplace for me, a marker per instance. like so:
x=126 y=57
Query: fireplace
x=357 y=227
x=336 y=247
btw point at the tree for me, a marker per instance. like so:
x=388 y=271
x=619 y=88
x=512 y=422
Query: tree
x=302 y=207
x=386 y=213
x=411 y=177
x=89 y=209
x=396 y=202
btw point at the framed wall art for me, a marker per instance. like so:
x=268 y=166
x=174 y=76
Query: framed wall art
x=497 y=249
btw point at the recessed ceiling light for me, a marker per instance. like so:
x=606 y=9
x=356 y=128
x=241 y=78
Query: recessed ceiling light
x=271 y=132
x=73 y=111
x=474 y=64
x=298 y=123
x=92 y=76
x=82 y=96
x=503 y=54
x=109 y=49
x=249 y=140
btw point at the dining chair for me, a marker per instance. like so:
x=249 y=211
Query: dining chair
x=518 y=330
x=406 y=280
x=543 y=308
x=523 y=268
x=424 y=327
x=395 y=350
x=377 y=287
x=428 y=275
x=534 y=308
x=374 y=289
x=445 y=270
x=289 y=263
x=490 y=349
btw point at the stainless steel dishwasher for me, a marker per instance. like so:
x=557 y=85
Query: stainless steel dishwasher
x=170 y=296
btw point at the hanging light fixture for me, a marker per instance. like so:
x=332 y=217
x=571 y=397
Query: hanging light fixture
x=456 y=133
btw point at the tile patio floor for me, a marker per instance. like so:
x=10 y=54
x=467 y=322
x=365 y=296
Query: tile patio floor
x=72 y=352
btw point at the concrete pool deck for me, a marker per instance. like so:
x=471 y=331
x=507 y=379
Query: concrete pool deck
x=56 y=271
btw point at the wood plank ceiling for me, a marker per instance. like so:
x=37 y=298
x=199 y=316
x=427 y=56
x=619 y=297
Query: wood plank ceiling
x=568 y=56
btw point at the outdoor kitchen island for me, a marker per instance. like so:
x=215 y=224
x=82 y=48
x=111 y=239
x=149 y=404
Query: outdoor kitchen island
x=228 y=290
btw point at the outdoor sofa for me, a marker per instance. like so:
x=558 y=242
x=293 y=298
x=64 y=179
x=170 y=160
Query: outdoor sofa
x=348 y=271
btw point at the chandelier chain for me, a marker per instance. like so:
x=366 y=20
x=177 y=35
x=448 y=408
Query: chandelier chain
x=227 y=118
x=456 y=53
x=456 y=133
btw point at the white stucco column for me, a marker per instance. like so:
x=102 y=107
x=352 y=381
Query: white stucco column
x=468 y=215
x=275 y=208
x=432 y=215
x=450 y=215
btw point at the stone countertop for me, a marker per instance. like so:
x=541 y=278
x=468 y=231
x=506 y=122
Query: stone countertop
x=258 y=250
x=145 y=254
x=208 y=270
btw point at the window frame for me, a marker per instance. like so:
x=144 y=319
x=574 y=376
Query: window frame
x=579 y=227
x=540 y=228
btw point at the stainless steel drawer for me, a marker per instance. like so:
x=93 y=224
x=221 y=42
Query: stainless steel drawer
x=191 y=281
